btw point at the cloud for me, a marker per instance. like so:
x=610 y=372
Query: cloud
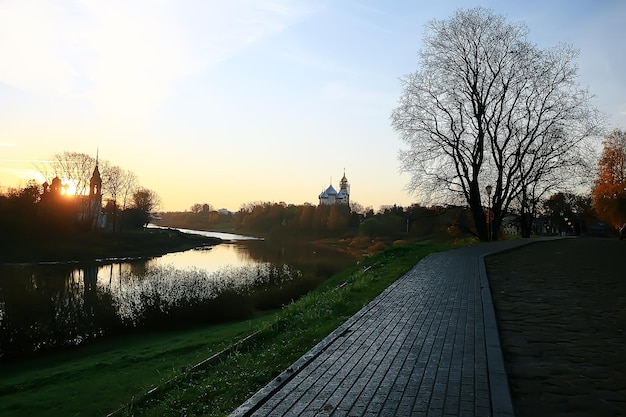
x=18 y=169
x=124 y=58
x=44 y=161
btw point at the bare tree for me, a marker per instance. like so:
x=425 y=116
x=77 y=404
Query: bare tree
x=112 y=181
x=129 y=184
x=489 y=108
x=196 y=208
x=112 y=185
x=75 y=167
x=357 y=207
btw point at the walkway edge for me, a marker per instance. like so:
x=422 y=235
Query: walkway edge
x=261 y=396
x=501 y=403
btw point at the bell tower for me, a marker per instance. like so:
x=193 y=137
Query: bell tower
x=344 y=188
x=94 y=202
x=95 y=183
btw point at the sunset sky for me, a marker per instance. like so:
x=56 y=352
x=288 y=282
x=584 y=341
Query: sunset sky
x=229 y=102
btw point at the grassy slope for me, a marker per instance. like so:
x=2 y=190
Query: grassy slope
x=101 y=378
x=96 y=379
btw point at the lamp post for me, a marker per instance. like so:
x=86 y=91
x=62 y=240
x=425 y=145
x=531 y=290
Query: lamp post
x=488 y=189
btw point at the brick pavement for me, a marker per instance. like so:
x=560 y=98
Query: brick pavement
x=427 y=346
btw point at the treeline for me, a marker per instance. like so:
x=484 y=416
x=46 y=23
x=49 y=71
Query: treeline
x=560 y=213
x=61 y=205
x=31 y=211
x=327 y=221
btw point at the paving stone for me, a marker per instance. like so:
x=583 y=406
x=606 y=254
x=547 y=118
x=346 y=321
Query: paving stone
x=419 y=349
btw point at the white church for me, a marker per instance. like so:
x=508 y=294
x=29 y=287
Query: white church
x=331 y=196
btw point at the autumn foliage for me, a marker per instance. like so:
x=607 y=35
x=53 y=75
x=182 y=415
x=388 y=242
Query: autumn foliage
x=609 y=192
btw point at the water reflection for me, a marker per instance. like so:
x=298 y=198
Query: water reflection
x=221 y=235
x=209 y=259
x=43 y=307
x=47 y=306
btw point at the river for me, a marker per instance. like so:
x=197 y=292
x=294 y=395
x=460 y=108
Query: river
x=45 y=306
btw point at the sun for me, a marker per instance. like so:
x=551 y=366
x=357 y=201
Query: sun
x=69 y=188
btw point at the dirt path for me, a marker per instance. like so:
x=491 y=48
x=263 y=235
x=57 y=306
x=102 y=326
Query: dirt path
x=561 y=311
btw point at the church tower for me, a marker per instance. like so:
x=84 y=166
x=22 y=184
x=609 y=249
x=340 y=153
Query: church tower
x=94 y=203
x=95 y=183
x=344 y=188
x=330 y=196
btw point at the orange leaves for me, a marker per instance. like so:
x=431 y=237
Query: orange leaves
x=609 y=192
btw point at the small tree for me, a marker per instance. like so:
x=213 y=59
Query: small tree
x=146 y=202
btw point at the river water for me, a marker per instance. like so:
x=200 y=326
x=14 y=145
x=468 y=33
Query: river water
x=46 y=306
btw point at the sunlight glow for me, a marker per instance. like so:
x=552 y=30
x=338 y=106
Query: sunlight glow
x=240 y=101
x=27 y=174
x=69 y=188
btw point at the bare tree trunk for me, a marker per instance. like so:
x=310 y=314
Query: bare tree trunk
x=478 y=212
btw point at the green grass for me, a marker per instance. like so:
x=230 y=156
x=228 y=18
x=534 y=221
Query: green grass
x=99 y=379
x=96 y=379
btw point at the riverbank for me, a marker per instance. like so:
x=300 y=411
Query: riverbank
x=123 y=370
x=98 y=245
x=358 y=246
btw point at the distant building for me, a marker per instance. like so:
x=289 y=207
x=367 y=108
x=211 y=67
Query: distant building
x=52 y=192
x=86 y=209
x=330 y=196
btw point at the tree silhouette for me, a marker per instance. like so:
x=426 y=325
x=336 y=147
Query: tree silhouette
x=74 y=167
x=196 y=208
x=488 y=107
x=575 y=208
x=145 y=202
x=112 y=185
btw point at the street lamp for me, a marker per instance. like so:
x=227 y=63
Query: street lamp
x=488 y=189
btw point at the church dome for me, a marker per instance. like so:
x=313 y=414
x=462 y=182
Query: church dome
x=332 y=196
x=329 y=192
x=343 y=184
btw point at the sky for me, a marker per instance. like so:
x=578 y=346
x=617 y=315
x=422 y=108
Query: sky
x=234 y=102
